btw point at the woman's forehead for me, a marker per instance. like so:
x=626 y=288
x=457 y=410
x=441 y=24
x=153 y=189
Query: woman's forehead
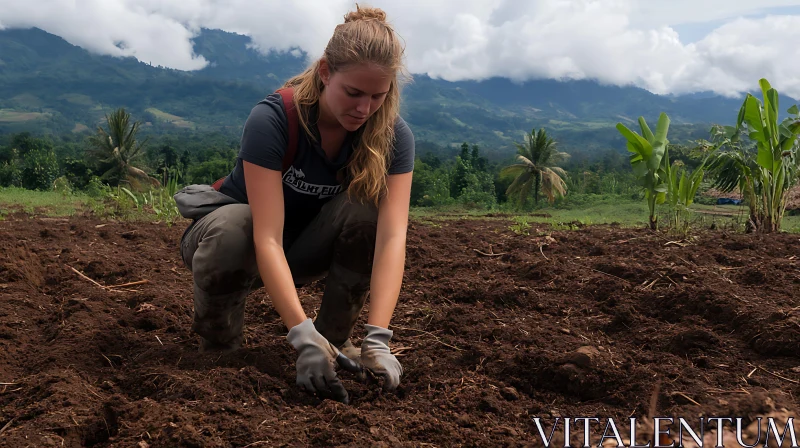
x=368 y=78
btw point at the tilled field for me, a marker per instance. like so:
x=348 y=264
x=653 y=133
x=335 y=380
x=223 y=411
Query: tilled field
x=493 y=329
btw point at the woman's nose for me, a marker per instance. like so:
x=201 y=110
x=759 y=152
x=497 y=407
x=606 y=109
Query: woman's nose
x=363 y=106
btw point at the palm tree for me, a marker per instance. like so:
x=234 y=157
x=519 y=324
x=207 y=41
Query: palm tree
x=115 y=150
x=537 y=169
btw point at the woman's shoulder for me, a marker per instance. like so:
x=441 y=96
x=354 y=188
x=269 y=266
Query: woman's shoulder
x=271 y=104
x=401 y=125
x=403 y=134
x=267 y=114
x=403 y=153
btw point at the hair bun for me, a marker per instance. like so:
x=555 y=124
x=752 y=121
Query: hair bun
x=365 y=14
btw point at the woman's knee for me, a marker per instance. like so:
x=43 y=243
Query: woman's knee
x=348 y=210
x=354 y=247
x=225 y=257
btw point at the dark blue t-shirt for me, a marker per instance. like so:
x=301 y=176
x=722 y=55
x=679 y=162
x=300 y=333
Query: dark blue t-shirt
x=313 y=179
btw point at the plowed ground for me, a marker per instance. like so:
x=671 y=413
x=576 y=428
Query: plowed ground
x=487 y=328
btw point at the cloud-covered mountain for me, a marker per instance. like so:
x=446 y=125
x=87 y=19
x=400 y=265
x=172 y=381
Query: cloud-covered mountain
x=618 y=42
x=48 y=84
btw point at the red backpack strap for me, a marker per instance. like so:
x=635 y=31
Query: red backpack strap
x=287 y=95
x=292 y=116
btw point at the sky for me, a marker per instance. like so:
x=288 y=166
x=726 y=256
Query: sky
x=664 y=46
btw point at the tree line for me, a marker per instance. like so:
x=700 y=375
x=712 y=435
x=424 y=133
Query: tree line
x=759 y=157
x=538 y=175
x=118 y=154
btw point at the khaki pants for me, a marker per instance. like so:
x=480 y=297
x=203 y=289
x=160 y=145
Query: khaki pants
x=337 y=245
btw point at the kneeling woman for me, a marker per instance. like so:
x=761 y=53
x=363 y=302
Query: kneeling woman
x=334 y=207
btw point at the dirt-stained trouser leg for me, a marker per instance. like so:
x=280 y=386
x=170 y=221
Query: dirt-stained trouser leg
x=219 y=250
x=338 y=244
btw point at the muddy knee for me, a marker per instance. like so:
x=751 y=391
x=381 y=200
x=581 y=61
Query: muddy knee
x=225 y=258
x=354 y=248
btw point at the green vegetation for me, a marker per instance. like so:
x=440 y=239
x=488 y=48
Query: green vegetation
x=123 y=134
x=97 y=200
x=115 y=151
x=537 y=169
x=169 y=118
x=605 y=191
x=467 y=180
x=601 y=210
x=48 y=203
x=30 y=163
x=12 y=116
x=650 y=166
x=764 y=174
x=76 y=98
x=683 y=183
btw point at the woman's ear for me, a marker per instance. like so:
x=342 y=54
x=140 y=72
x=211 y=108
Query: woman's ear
x=324 y=72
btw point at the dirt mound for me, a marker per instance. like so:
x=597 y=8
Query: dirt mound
x=497 y=328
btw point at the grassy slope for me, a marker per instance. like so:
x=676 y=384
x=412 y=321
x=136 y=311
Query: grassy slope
x=47 y=203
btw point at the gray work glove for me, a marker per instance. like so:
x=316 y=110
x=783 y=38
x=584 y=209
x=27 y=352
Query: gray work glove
x=316 y=361
x=378 y=358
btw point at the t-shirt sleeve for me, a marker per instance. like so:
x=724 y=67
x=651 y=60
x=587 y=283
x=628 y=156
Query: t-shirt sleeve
x=404 y=148
x=264 y=137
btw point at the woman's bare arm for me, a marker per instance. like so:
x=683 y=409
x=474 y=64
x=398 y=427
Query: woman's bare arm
x=265 y=195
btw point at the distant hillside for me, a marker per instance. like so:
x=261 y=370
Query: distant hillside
x=49 y=85
x=588 y=100
x=43 y=73
x=231 y=60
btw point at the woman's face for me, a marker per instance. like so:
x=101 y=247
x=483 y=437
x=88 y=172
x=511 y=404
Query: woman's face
x=353 y=94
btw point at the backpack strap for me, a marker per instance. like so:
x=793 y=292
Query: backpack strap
x=218 y=184
x=287 y=95
x=292 y=116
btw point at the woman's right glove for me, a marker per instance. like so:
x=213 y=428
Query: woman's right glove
x=316 y=359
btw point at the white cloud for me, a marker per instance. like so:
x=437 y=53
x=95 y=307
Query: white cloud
x=613 y=41
x=675 y=12
x=736 y=55
x=108 y=27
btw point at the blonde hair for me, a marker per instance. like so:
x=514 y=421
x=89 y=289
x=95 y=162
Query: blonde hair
x=364 y=38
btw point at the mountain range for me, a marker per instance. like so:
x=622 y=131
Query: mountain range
x=48 y=85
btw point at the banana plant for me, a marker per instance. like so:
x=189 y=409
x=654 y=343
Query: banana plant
x=682 y=187
x=766 y=175
x=650 y=161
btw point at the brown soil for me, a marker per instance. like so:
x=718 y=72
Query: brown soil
x=493 y=339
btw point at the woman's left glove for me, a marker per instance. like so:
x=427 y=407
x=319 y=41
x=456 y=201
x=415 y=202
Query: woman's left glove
x=378 y=358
